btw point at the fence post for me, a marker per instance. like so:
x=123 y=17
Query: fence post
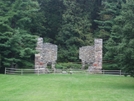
x=5 y=70
x=38 y=71
x=21 y=71
x=102 y=71
x=120 y=72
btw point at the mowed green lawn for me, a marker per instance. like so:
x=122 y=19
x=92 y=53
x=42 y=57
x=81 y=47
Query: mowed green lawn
x=65 y=87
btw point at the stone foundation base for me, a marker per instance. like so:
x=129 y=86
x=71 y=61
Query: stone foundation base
x=94 y=70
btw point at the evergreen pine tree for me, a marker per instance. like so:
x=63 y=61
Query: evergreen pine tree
x=122 y=36
x=74 y=32
x=16 y=42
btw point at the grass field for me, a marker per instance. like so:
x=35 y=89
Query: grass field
x=65 y=87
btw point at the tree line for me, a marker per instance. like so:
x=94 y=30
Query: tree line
x=69 y=24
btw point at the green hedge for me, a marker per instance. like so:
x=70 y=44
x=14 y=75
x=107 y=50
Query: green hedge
x=68 y=65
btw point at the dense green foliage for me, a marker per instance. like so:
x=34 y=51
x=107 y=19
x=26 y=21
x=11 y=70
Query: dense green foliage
x=70 y=24
x=120 y=50
x=16 y=43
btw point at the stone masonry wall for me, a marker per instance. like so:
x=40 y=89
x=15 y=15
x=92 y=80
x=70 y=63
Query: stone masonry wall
x=92 y=55
x=47 y=54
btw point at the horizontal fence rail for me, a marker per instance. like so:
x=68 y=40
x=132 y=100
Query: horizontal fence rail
x=15 y=71
x=114 y=72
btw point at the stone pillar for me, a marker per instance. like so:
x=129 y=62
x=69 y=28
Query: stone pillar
x=98 y=54
x=38 y=56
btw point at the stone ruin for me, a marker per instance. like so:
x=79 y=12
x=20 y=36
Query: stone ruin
x=47 y=54
x=86 y=54
x=92 y=56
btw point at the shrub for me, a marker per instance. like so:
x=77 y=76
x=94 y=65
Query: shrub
x=68 y=65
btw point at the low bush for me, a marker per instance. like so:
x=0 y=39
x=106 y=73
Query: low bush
x=68 y=65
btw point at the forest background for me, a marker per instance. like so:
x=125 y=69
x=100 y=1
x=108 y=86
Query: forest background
x=69 y=24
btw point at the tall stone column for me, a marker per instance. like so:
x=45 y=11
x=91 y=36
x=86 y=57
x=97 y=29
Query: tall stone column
x=98 y=53
x=38 y=56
